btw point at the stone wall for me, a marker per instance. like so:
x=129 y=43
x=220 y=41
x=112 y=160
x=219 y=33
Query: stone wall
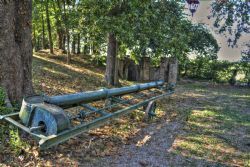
x=144 y=71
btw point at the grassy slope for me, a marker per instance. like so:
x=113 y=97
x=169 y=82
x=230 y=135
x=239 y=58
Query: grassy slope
x=216 y=120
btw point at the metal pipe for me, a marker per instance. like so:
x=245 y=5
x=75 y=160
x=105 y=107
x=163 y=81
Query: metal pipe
x=68 y=100
x=24 y=128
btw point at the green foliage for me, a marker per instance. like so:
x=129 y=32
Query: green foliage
x=99 y=59
x=203 y=42
x=230 y=14
x=148 y=28
x=151 y=28
x=16 y=144
x=214 y=70
x=10 y=139
x=232 y=19
x=245 y=64
x=208 y=68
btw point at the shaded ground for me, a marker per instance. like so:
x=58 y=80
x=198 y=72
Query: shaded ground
x=201 y=125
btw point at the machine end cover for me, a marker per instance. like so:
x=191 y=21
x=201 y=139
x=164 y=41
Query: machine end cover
x=35 y=113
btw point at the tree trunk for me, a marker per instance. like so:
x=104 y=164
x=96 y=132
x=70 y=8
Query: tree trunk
x=60 y=39
x=68 y=49
x=116 y=77
x=78 y=44
x=16 y=48
x=43 y=33
x=74 y=45
x=63 y=43
x=49 y=27
x=90 y=48
x=65 y=18
x=38 y=43
x=111 y=61
x=59 y=27
x=34 y=44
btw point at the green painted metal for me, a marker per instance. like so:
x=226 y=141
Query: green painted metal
x=22 y=127
x=66 y=101
x=150 y=109
x=28 y=107
x=64 y=136
x=89 y=107
x=34 y=113
x=39 y=113
x=9 y=115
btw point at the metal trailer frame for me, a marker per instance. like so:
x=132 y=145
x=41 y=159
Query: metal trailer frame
x=46 y=142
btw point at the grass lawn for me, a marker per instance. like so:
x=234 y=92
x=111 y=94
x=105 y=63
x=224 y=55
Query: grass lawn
x=217 y=126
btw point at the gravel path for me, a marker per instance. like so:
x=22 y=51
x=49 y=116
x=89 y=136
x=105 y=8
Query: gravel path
x=152 y=147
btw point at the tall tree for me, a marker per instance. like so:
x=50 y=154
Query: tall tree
x=66 y=19
x=16 y=48
x=78 y=43
x=49 y=26
x=111 y=60
x=43 y=33
x=73 y=49
x=59 y=28
x=112 y=50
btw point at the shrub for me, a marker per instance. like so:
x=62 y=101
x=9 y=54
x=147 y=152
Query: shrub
x=219 y=71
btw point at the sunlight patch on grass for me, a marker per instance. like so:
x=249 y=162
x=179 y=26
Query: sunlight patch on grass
x=210 y=136
x=55 y=73
x=209 y=148
x=52 y=76
x=82 y=70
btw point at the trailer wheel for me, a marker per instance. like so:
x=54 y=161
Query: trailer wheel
x=150 y=110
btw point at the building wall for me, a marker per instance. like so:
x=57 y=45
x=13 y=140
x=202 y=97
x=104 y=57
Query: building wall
x=144 y=71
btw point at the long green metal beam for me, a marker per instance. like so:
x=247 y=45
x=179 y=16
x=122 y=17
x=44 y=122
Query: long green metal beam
x=50 y=141
x=66 y=101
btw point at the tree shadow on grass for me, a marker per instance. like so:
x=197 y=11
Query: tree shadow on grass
x=216 y=130
x=77 y=61
x=60 y=78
